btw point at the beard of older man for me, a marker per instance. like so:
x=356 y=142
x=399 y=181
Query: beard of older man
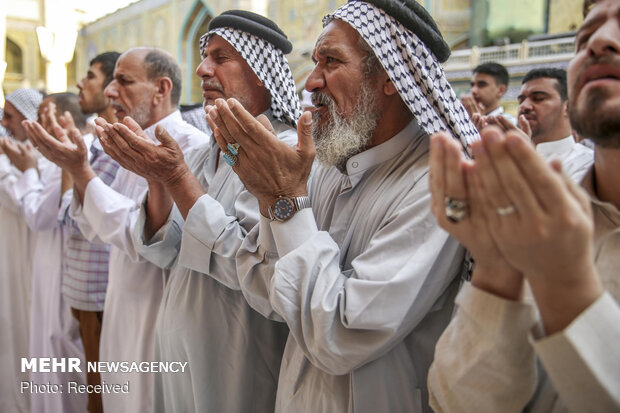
x=340 y=138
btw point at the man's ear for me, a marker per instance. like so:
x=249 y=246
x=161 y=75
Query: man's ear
x=502 y=90
x=565 y=108
x=164 y=89
x=389 y=88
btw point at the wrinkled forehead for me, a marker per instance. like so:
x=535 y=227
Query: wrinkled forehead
x=214 y=42
x=338 y=35
x=131 y=63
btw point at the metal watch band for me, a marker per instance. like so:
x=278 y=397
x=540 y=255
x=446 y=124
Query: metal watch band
x=299 y=203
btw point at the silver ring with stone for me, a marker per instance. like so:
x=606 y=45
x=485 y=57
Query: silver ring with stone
x=456 y=209
x=234 y=148
x=230 y=158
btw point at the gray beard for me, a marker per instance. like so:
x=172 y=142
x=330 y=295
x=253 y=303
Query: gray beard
x=340 y=138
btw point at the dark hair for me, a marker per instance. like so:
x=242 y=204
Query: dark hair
x=67 y=101
x=159 y=63
x=587 y=6
x=106 y=61
x=558 y=74
x=499 y=72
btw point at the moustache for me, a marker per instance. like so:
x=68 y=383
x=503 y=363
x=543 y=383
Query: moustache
x=212 y=84
x=118 y=106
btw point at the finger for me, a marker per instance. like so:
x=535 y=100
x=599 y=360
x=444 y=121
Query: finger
x=126 y=142
x=239 y=123
x=505 y=123
x=216 y=118
x=436 y=164
x=60 y=134
x=545 y=183
x=132 y=140
x=454 y=180
x=250 y=130
x=166 y=140
x=493 y=190
x=76 y=137
x=511 y=179
x=221 y=142
x=525 y=126
x=135 y=128
x=66 y=121
x=305 y=143
x=264 y=120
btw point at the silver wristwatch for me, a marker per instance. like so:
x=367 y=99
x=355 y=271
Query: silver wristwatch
x=285 y=207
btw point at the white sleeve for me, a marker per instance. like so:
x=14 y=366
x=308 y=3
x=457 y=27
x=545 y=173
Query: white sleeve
x=107 y=216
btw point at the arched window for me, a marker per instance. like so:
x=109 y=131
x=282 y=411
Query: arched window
x=195 y=25
x=14 y=58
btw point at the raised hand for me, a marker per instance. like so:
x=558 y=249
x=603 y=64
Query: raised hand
x=471 y=106
x=22 y=155
x=268 y=167
x=127 y=143
x=453 y=179
x=541 y=223
x=65 y=148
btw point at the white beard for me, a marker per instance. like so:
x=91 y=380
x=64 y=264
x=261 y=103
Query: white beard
x=339 y=138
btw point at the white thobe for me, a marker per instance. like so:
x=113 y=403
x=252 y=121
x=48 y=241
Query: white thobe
x=576 y=158
x=365 y=280
x=233 y=353
x=15 y=279
x=134 y=285
x=54 y=332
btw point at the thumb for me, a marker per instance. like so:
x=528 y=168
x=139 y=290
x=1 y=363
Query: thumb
x=164 y=137
x=76 y=137
x=525 y=125
x=304 y=134
x=134 y=127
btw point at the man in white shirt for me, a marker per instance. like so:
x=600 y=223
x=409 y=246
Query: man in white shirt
x=233 y=353
x=489 y=84
x=15 y=258
x=349 y=255
x=146 y=89
x=543 y=101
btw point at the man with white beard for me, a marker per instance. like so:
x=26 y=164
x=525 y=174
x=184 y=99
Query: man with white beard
x=350 y=256
x=144 y=93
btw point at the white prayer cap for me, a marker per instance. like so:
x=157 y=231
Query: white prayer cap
x=26 y=101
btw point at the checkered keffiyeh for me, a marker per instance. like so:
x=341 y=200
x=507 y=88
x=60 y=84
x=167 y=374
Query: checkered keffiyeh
x=271 y=67
x=26 y=101
x=414 y=70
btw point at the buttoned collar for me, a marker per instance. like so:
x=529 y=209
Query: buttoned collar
x=358 y=164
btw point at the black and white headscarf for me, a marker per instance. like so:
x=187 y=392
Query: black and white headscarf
x=271 y=67
x=414 y=70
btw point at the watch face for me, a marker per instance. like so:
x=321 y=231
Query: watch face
x=283 y=209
